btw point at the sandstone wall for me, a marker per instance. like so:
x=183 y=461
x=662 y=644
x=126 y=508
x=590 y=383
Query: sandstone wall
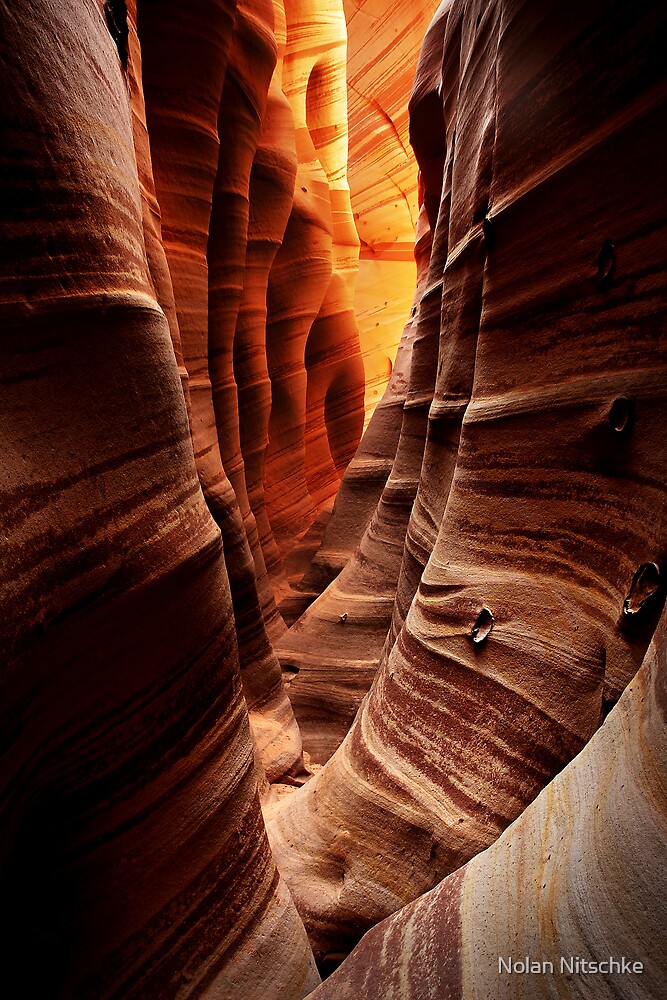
x=538 y=532
x=185 y=57
x=314 y=359
x=332 y=652
x=182 y=395
x=570 y=881
x=134 y=859
x=383 y=47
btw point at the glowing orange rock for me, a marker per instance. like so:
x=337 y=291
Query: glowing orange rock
x=312 y=343
x=242 y=109
x=383 y=48
x=271 y=194
x=185 y=57
x=537 y=529
x=332 y=667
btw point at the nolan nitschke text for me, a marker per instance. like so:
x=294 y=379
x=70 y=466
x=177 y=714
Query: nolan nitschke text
x=569 y=965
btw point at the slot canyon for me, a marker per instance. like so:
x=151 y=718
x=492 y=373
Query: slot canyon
x=333 y=500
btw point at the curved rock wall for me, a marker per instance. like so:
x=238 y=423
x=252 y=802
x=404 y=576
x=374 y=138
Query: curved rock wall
x=177 y=288
x=185 y=57
x=270 y=195
x=134 y=859
x=539 y=526
x=332 y=653
x=313 y=352
x=569 y=882
x=383 y=47
x=327 y=687
x=243 y=106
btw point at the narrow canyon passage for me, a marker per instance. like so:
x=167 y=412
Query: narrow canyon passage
x=333 y=520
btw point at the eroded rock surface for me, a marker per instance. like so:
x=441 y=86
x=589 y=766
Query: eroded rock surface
x=328 y=687
x=332 y=652
x=185 y=57
x=314 y=359
x=383 y=48
x=182 y=394
x=539 y=496
x=134 y=856
x=570 y=881
x=270 y=195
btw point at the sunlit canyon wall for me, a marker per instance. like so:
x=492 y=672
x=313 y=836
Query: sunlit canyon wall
x=206 y=209
x=383 y=45
x=509 y=580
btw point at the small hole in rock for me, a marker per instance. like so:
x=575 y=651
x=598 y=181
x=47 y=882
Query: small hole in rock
x=482 y=627
x=620 y=414
x=115 y=12
x=606 y=260
x=645 y=584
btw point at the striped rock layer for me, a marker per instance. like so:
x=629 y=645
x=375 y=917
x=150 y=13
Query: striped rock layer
x=537 y=540
x=186 y=54
x=331 y=677
x=248 y=137
x=314 y=359
x=576 y=882
x=332 y=652
x=383 y=47
x=270 y=195
x=332 y=674
x=133 y=859
x=242 y=109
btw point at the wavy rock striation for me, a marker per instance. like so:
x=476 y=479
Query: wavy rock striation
x=383 y=48
x=134 y=859
x=270 y=196
x=332 y=653
x=538 y=533
x=577 y=880
x=182 y=394
x=313 y=352
x=185 y=56
x=243 y=106
x=328 y=685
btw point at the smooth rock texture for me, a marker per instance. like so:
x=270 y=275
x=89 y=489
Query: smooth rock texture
x=542 y=488
x=313 y=352
x=331 y=674
x=133 y=859
x=243 y=107
x=270 y=194
x=329 y=686
x=185 y=56
x=212 y=217
x=332 y=653
x=384 y=40
x=433 y=130
x=580 y=875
